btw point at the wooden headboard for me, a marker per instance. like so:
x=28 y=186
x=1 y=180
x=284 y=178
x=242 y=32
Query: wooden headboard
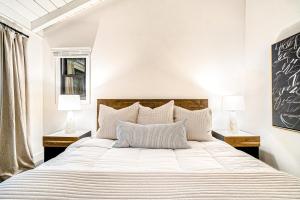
x=191 y=104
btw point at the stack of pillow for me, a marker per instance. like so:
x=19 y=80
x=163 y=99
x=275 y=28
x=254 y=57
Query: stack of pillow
x=167 y=126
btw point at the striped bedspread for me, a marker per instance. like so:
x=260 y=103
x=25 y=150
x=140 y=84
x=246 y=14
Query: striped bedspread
x=59 y=184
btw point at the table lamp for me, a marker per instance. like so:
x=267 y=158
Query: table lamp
x=233 y=104
x=69 y=103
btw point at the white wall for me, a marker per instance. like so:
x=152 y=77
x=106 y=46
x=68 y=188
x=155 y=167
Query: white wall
x=268 y=21
x=156 y=49
x=35 y=80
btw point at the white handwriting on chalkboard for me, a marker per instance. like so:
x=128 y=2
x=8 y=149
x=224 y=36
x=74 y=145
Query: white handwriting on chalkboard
x=286 y=81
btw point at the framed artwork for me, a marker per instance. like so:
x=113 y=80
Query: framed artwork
x=72 y=73
x=286 y=83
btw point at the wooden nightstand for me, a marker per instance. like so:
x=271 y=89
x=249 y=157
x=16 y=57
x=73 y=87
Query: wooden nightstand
x=241 y=140
x=57 y=142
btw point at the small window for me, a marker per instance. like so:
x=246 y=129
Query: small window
x=73 y=73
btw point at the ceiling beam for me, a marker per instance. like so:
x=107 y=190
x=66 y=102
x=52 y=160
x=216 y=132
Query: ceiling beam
x=61 y=13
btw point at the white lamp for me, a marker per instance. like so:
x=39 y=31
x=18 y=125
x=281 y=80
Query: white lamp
x=233 y=104
x=69 y=103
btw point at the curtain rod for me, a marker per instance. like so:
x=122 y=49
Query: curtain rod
x=14 y=29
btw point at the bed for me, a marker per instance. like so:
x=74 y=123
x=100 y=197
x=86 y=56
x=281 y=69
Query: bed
x=92 y=169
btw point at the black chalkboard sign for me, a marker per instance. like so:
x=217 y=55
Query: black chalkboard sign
x=286 y=83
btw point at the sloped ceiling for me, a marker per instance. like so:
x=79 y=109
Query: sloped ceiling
x=33 y=9
x=36 y=15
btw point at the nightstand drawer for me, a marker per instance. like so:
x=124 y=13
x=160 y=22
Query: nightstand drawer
x=241 y=140
x=253 y=141
x=56 y=143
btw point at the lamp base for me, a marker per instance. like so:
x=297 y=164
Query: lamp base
x=233 y=124
x=70 y=125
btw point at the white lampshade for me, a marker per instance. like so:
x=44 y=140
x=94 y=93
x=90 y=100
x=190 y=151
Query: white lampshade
x=69 y=102
x=233 y=103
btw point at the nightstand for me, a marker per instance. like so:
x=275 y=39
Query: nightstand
x=57 y=142
x=241 y=140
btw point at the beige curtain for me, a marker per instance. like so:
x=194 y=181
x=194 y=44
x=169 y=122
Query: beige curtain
x=69 y=89
x=15 y=154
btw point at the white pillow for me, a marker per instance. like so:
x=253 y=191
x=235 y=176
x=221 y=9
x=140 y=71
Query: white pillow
x=198 y=123
x=154 y=136
x=159 y=115
x=108 y=118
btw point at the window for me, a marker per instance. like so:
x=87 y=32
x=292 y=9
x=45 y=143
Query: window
x=73 y=73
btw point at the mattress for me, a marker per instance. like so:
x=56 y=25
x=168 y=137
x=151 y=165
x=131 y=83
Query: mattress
x=92 y=169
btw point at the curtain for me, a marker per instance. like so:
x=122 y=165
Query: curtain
x=15 y=153
x=69 y=89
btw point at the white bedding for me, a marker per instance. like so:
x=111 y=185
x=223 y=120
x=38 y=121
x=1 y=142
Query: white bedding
x=92 y=169
x=91 y=154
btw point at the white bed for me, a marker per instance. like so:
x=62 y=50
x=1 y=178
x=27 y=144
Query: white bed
x=92 y=169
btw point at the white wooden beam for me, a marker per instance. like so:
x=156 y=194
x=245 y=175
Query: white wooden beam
x=61 y=13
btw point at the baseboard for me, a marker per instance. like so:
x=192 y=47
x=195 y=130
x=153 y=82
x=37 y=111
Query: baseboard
x=38 y=158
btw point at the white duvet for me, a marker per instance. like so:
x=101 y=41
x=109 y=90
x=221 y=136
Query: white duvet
x=92 y=169
x=91 y=154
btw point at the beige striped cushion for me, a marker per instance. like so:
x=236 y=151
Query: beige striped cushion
x=159 y=115
x=198 y=124
x=108 y=118
x=153 y=136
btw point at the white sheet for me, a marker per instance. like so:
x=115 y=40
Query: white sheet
x=91 y=154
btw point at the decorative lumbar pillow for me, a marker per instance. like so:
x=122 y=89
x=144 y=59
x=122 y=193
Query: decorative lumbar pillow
x=108 y=118
x=160 y=115
x=198 y=123
x=154 y=136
